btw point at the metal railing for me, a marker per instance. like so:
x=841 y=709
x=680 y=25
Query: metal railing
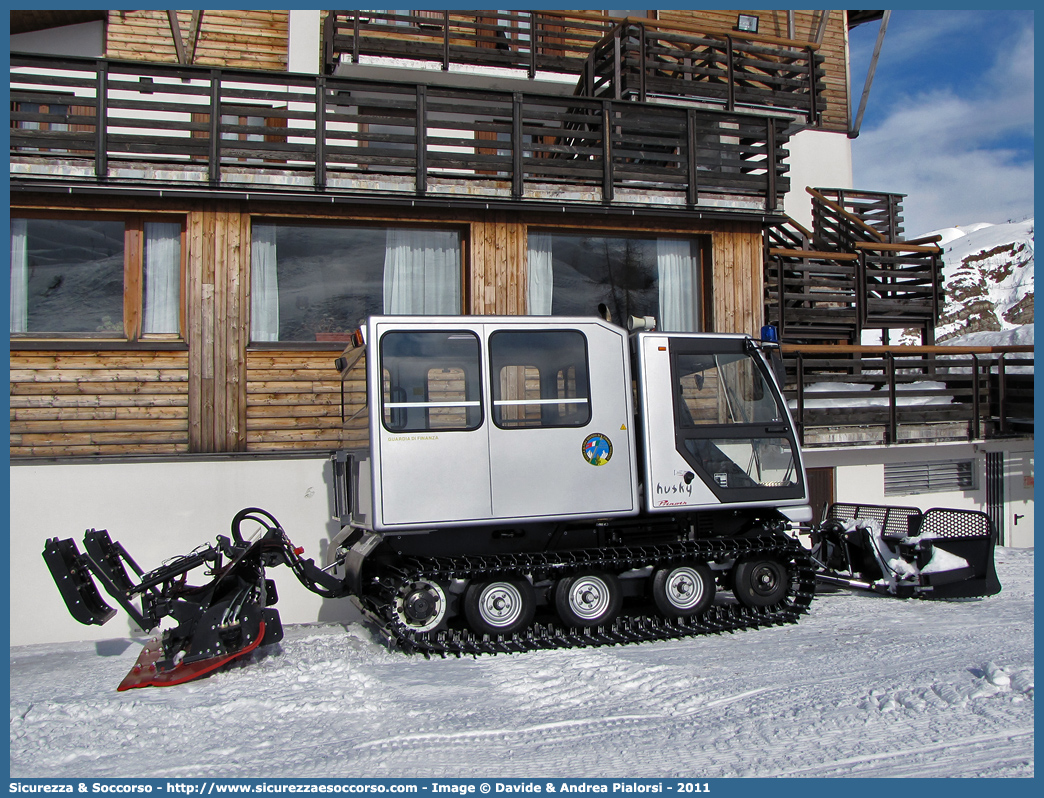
x=147 y=123
x=905 y=392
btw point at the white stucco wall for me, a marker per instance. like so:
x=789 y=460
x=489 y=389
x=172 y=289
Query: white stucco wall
x=304 y=41
x=159 y=510
x=86 y=39
x=820 y=159
x=859 y=478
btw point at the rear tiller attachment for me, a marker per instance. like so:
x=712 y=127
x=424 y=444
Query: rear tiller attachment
x=217 y=622
x=900 y=551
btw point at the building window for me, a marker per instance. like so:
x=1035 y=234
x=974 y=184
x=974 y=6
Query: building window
x=904 y=479
x=540 y=379
x=430 y=381
x=310 y=282
x=572 y=274
x=76 y=276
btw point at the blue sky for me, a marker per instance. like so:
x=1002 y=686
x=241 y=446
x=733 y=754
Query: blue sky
x=950 y=117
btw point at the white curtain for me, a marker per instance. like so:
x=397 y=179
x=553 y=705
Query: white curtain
x=264 y=284
x=540 y=279
x=422 y=272
x=162 y=277
x=676 y=270
x=19 y=276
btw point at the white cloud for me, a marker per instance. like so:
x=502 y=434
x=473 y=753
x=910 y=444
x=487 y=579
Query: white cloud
x=952 y=155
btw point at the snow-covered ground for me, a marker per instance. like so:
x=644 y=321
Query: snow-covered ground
x=862 y=686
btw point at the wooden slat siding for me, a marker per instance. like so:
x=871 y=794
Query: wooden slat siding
x=497 y=264
x=774 y=23
x=294 y=402
x=194 y=326
x=89 y=403
x=736 y=275
x=217 y=335
x=238 y=274
x=242 y=39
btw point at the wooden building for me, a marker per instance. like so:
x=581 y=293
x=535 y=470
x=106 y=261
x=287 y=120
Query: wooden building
x=205 y=203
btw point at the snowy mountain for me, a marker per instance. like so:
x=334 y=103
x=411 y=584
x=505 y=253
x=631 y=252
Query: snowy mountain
x=988 y=278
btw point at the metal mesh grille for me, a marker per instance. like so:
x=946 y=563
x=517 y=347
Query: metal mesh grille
x=893 y=520
x=946 y=523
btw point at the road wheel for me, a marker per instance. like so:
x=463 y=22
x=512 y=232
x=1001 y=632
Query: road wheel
x=681 y=591
x=588 y=599
x=499 y=607
x=759 y=581
x=421 y=606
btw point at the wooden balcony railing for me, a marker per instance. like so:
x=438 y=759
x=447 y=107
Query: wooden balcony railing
x=851 y=271
x=151 y=123
x=545 y=41
x=616 y=59
x=910 y=393
x=638 y=59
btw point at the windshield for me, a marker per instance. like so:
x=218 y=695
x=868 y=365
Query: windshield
x=724 y=389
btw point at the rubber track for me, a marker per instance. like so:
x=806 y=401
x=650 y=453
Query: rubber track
x=626 y=628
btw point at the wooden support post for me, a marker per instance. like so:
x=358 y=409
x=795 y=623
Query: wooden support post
x=813 y=97
x=607 y=153
x=517 y=177
x=770 y=164
x=532 y=44
x=421 y=143
x=730 y=77
x=642 y=55
x=445 y=41
x=893 y=420
x=800 y=397
x=692 y=195
x=214 y=166
x=320 y=133
x=617 y=71
x=101 y=113
x=329 y=31
x=355 y=37
x=976 y=428
x=1002 y=395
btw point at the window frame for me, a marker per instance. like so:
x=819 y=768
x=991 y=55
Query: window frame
x=133 y=278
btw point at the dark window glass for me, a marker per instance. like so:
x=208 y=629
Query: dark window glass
x=539 y=379
x=430 y=381
x=311 y=281
x=74 y=275
x=593 y=270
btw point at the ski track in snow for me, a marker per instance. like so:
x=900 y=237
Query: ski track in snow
x=863 y=686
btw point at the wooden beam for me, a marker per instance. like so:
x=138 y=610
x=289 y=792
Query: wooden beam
x=854 y=128
x=175 y=32
x=850 y=216
x=854 y=349
x=812 y=254
x=900 y=247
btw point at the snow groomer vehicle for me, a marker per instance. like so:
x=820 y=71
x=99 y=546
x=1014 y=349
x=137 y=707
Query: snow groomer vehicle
x=543 y=482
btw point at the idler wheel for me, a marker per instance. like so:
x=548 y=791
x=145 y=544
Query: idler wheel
x=591 y=599
x=499 y=607
x=759 y=581
x=681 y=591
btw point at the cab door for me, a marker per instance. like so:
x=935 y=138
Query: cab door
x=431 y=445
x=560 y=436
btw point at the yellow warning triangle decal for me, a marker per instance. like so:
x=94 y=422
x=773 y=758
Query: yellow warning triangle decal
x=623 y=426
